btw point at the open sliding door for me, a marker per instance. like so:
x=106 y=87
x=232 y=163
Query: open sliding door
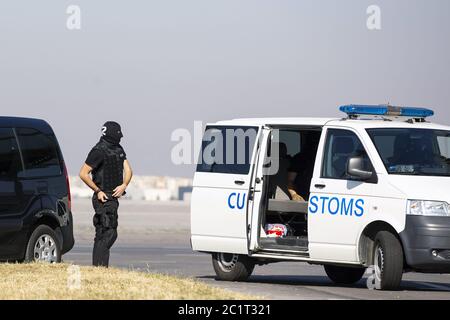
x=256 y=205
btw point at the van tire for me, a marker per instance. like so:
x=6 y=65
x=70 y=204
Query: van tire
x=52 y=245
x=344 y=275
x=388 y=256
x=232 y=267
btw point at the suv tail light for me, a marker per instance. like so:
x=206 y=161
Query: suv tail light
x=69 y=196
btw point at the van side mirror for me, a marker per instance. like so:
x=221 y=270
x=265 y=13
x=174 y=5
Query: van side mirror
x=356 y=169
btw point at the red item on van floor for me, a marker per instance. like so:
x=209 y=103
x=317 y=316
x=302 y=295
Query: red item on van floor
x=276 y=230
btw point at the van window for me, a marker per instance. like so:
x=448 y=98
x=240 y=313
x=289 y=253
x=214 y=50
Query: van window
x=227 y=149
x=340 y=146
x=444 y=145
x=10 y=163
x=39 y=152
x=411 y=151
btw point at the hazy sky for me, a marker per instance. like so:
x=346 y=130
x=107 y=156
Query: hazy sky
x=155 y=66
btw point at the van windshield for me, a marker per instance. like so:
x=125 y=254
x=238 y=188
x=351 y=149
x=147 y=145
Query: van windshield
x=422 y=152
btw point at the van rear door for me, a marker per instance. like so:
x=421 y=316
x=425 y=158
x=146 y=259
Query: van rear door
x=221 y=189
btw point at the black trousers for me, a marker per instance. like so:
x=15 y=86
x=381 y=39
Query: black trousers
x=105 y=223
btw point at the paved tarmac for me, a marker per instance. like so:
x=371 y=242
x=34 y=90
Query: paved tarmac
x=155 y=237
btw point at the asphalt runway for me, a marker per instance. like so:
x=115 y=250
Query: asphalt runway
x=154 y=237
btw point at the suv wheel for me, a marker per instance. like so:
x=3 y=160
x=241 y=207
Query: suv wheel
x=43 y=246
x=232 y=267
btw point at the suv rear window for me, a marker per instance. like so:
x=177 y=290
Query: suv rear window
x=10 y=163
x=39 y=152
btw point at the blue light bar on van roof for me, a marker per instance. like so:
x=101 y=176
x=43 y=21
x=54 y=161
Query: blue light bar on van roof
x=386 y=110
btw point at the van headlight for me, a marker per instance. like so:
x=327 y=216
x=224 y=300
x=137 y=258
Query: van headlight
x=428 y=208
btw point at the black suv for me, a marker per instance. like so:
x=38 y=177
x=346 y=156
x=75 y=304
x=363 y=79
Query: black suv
x=35 y=210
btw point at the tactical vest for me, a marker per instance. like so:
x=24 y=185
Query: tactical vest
x=110 y=173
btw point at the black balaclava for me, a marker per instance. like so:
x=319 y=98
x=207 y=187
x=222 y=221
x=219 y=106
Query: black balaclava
x=112 y=132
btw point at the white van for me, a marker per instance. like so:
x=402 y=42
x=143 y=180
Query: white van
x=371 y=189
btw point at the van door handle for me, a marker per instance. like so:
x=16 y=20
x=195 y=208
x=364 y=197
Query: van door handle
x=320 y=186
x=239 y=182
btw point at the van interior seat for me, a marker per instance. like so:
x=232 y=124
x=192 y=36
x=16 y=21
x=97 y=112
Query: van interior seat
x=406 y=149
x=278 y=183
x=400 y=149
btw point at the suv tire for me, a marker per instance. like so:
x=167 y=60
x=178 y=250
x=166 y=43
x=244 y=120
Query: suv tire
x=43 y=246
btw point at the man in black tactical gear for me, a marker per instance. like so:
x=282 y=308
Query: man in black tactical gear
x=111 y=174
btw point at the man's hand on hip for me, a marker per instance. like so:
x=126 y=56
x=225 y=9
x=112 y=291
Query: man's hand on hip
x=119 y=190
x=101 y=196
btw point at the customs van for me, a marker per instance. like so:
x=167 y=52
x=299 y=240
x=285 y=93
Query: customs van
x=35 y=205
x=370 y=189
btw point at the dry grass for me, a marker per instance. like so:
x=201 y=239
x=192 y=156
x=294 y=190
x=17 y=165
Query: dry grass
x=64 y=281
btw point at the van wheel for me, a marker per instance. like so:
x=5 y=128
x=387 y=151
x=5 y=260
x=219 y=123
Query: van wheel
x=232 y=267
x=344 y=275
x=388 y=261
x=43 y=246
